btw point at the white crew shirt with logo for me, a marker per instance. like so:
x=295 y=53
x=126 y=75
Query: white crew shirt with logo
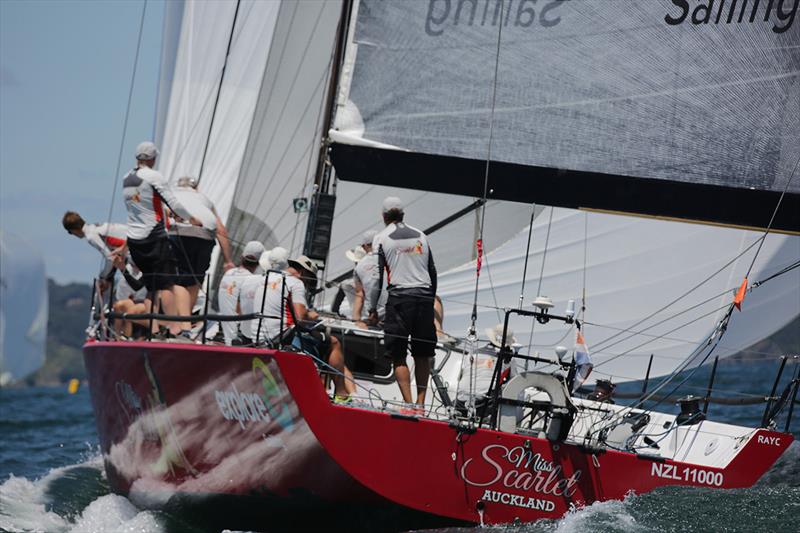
x=408 y=261
x=145 y=192
x=367 y=272
x=105 y=238
x=229 y=291
x=251 y=285
x=201 y=208
x=276 y=306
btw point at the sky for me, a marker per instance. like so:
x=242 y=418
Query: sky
x=65 y=74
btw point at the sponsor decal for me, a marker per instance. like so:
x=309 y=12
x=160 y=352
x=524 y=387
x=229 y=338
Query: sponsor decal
x=519 y=469
x=688 y=474
x=253 y=407
x=781 y=13
x=518 y=13
x=771 y=441
x=241 y=406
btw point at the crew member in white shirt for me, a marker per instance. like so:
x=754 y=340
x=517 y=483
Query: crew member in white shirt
x=366 y=277
x=193 y=244
x=230 y=293
x=404 y=254
x=147 y=194
x=290 y=303
x=105 y=238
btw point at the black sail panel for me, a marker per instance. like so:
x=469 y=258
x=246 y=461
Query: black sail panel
x=729 y=206
x=675 y=108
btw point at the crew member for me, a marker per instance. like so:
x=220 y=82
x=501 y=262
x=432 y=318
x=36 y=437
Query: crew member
x=146 y=193
x=366 y=277
x=347 y=287
x=105 y=238
x=293 y=307
x=404 y=255
x=230 y=293
x=193 y=244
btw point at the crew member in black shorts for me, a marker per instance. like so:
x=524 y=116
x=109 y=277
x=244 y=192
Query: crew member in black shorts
x=404 y=254
x=147 y=194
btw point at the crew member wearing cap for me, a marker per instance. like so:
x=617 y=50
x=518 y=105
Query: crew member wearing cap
x=147 y=193
x=290 y=302
x=105 y=238
x=193 y=244
x=347 y=287
x=404 y=254
x=481 y=374
x=366 y=277
x=230 y=294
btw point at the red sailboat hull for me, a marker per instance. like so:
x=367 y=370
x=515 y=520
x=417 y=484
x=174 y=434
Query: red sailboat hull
x=186 y=422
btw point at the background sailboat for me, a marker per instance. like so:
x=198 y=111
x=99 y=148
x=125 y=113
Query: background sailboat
x=23 y=308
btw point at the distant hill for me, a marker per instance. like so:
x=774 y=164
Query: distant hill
x=66 y=331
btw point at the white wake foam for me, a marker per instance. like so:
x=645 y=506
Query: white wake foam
x=25 y=507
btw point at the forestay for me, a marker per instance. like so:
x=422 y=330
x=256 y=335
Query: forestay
x=684 y=108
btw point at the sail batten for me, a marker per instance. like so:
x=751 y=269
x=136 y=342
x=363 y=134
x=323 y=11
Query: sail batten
x=627 y=103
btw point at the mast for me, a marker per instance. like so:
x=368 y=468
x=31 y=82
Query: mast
x=320 y=218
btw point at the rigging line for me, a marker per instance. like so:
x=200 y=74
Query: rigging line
x=486 y=169
x=686 y=293
x=541 y=275
x=772 y=218
x=527 y=255
x=634 y=333
x=283 y=108
x=219 y=91
x=674 y=374
x=585 y=255
x=127 y=111
x=779 y=273
x=194 y=129
x=267 y=151
x=626 y=352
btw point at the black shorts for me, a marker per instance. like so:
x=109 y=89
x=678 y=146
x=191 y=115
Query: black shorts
x=155 y=258
x=409 y=316
x=314 y=342
x=194 y=257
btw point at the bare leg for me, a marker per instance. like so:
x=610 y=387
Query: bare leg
x=336 y=360
x=182 y=306
x=403 y=377
x=422 y=371
x=193 y=290
x=123 y=327
x=349 y=382
x=438 y=314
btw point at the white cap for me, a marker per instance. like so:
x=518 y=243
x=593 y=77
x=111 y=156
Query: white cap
x=279 y=258
x=496 y=333
x=146 y=151
x=263 y=261
x=392 y=202
x=252 y=251
x=356 y=254
x=368 y=236
x=187 y=181
x=304 y=263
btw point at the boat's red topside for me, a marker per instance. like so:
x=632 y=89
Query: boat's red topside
x=189 y=418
